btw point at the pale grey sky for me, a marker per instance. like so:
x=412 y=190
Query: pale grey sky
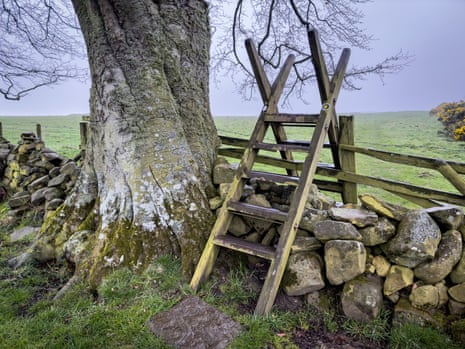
x=431 y=30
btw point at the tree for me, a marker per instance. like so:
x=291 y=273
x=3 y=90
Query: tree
x=143 y=187
x=145 y=182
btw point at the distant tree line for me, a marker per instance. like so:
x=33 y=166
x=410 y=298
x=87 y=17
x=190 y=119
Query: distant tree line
x=452 y=116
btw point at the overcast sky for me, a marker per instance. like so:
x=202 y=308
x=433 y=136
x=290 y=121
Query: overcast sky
x=431 y=30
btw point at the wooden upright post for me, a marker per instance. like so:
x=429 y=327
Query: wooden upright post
x=1 y=130
x=346 y=136
x=83 y=128
x=39 y=131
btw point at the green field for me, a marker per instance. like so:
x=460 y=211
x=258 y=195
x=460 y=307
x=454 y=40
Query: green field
x=412 y=133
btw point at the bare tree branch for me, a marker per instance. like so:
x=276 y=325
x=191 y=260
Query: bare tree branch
x=40 y=42
x=280 y=27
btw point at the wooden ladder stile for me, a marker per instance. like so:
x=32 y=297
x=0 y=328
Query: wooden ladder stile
x=324 y=125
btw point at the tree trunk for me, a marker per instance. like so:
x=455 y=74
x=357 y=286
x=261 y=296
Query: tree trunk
x=142 y=190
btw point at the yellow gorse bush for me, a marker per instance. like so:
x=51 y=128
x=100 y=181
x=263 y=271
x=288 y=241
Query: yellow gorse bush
x=452 y=116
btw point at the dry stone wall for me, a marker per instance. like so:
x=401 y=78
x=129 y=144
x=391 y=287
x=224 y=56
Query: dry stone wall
x=372 y=253
x=34 y=176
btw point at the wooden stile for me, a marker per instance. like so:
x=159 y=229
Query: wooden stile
x=324 y=124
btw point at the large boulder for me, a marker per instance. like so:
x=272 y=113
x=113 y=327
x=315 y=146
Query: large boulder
x=344 y=260
x=362 y=298
x=303 y=274
x=416 y=241
x=447 y=256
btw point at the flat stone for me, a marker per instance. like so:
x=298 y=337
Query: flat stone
x=38 y=183
x=58 y=180
x=334 y=230
x=19 y=200
x=305 y=244
x=405 y=312
x=383 y=208
x=22 y=233
x=357 y=216
x=447 y=217
x=192 y=323
x=38 y=197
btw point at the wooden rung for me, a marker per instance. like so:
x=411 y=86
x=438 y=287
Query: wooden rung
x=265 y=213
x=274 y=177
x=292 y=118
x=252 y=248
x=281 y=147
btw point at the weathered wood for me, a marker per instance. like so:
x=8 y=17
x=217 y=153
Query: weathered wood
x=393 y=186
x=448 y=172
x=426 y=203
x=290 y=226
x=311 y=119
x=224 y=217
x=237 y=142
x=413 y=160
x=263 y=213
x=270 y=93
x=39 y=131
x=281 y=147
x=329 y=90
x=83 y=132
x=1 y=130
x=242 y=245
x=260 y=77
x=346 y=136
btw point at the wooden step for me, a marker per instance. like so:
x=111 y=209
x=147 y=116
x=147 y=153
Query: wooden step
x=238 y=244
x=274 y=177
x=264 y=213
x=285 y=146
x=307 y=119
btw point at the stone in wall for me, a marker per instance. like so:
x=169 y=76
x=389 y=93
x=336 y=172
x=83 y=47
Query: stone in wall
x=344 y=260
x=416 y=241
x=447 y=256
x=36 y=176
x=362 y=298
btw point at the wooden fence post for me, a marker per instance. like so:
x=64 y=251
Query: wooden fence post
x=39 y=131
x=1 y=130
x=346 y=136
x=83 y=128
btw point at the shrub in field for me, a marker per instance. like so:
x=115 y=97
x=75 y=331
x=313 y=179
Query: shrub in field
x=452 y=116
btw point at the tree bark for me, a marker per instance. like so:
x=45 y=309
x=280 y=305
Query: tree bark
x=143 y=186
